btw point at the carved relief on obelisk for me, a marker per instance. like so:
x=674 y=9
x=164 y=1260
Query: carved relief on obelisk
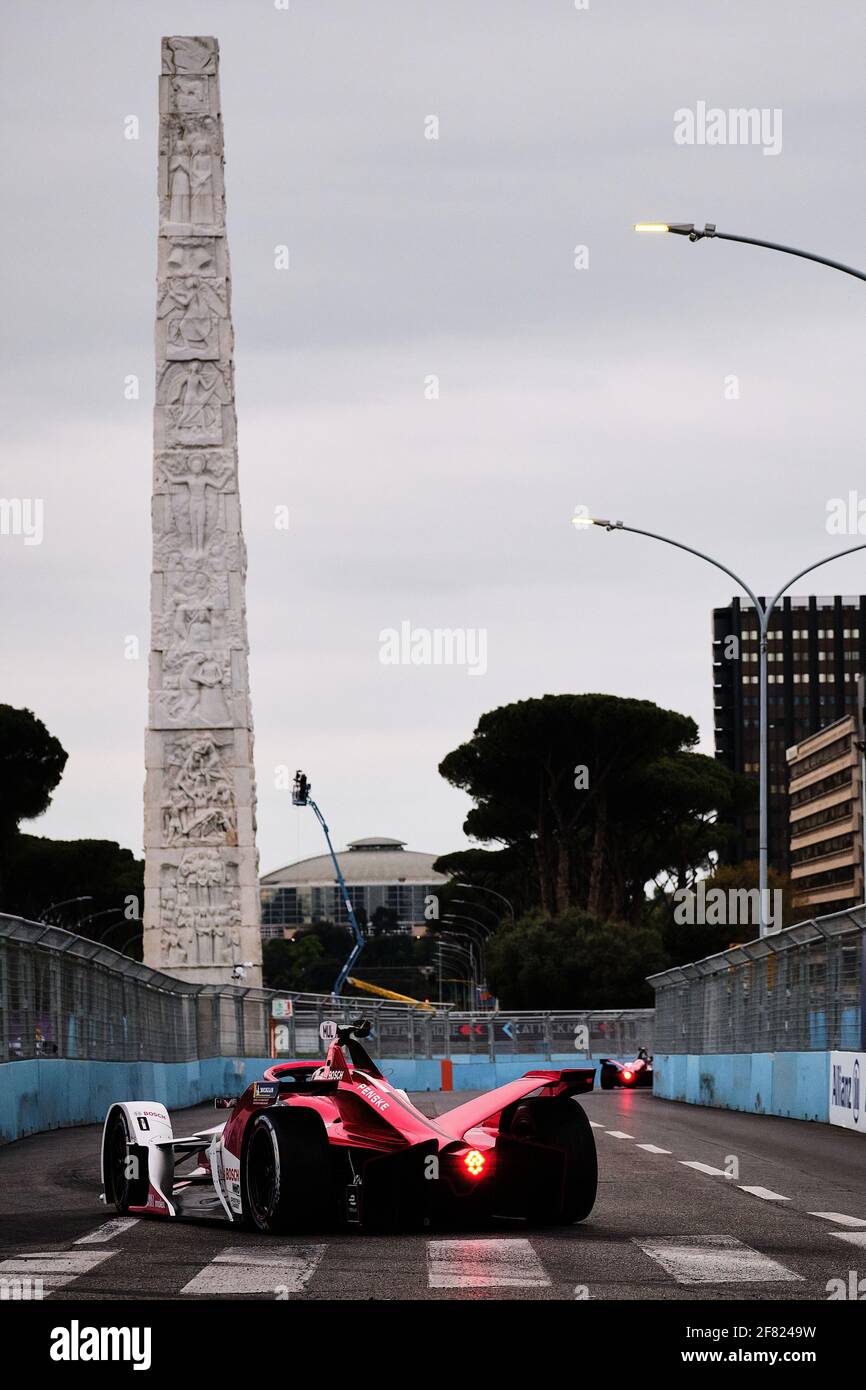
x=201 y=910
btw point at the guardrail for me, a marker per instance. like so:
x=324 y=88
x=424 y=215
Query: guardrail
x=797 y=990
x=65 y=996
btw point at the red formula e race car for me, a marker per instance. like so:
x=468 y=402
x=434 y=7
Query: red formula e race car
x=314 y=1147
x=627 y=1074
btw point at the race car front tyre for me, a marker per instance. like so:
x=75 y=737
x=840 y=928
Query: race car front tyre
x=124 y=1165
x=559 y=1123
x=285 y=1174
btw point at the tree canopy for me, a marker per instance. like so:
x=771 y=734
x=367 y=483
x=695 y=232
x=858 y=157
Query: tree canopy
x=594 y=796
x=31 y=765
x=573 y=961
x=39 y=871
x=35 y=871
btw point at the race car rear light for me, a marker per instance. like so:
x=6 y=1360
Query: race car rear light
x=474 y=1162
x=627 y=1075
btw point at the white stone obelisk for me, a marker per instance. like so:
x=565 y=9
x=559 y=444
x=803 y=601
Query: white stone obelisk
x=201 y=901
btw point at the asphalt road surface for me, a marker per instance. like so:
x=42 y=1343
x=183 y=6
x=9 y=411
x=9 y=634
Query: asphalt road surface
x=692 y=1203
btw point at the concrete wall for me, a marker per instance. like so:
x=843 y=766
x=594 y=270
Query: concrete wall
x=53 y=1093
x=795 y=1084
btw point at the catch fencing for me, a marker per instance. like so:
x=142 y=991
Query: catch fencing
x=63 y=995
x=797 y=990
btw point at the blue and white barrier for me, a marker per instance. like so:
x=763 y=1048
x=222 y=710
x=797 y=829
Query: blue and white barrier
x=793 y=1084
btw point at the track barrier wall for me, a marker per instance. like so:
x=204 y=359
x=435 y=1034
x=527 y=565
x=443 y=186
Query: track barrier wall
x=44 y=1094
x=760 y=1027
x=794 y=1084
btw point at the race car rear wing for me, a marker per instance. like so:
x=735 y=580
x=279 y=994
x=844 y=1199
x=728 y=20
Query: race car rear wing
x=542 y=1083
x=569 y=1082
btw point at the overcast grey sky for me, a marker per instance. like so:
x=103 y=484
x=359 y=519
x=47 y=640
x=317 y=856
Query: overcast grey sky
x=603 y=386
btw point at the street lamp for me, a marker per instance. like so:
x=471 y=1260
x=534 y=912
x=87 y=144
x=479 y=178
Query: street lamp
x=64 y=902
x=91 y=916
x=764 y=612
x=463 y=951
x=467 y=949
x=455 y=917
x=479 y=907
x=709 y=232
x=501 y=896
x=109 y=931
x=450 y=954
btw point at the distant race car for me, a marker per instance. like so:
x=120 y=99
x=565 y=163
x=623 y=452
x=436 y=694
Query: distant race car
x=313 y=1147
x=628 y=1074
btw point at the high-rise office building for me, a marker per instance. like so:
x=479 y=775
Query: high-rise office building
x=816 y=650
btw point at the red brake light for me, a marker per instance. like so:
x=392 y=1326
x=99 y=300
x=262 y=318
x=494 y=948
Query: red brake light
x=475 y=1163
x=627 y=1075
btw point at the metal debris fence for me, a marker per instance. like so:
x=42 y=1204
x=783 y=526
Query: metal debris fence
x=797 y=990
x=63 y=995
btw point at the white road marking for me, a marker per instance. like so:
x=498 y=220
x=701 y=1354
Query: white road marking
x=108 y=1231
x=839 y=1218
x=703 y=1168
x=653 y=1149
x=484 y=1264
x=852 y=1237
x=54 y=1269
x=596 y=1125
x=715 y=1260
x=765 y=1193
x=618 y=1134
x=239 y=1270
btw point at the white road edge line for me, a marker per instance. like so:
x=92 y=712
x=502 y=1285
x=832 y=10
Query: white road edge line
x=703 y=1168
x=279 y=1271
x=653 y=1149
x=54 y=1268
x=839 y=1218
x=108 y=1231
x=484 y=1264
x=618 y=1134
x=765 y=1194
x=715 y=1260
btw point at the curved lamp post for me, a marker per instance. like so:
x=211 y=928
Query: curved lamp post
x=711 y=233
x=454 y=918
x=479 y=907
x=476 y=887
x=455 y=958
x=92 y=916
x=462 y=942
x=764 y=612
x=688 y=229
x=467 y=951
x=113 y=927
x=64 y=902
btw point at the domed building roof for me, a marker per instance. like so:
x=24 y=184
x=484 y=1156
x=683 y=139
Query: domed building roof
x=375 y=859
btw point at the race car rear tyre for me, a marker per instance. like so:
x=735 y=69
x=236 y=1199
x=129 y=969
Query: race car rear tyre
x=562 y=1124
x=285 y=1173
x=124 y=1165
x=606 y=1078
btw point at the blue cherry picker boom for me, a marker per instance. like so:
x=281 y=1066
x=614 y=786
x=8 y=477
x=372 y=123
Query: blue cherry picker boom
x=301 y=790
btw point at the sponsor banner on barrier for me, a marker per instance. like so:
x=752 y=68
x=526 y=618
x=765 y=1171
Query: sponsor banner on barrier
x=847 y=1074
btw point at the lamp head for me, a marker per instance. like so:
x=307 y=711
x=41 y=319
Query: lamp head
x=579 y=520
x=678 y=229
